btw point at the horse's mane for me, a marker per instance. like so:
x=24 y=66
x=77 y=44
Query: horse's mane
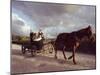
x=81 y=30
x=80 y=33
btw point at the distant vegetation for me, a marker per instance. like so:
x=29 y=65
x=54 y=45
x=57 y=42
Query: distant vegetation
x=19 y=39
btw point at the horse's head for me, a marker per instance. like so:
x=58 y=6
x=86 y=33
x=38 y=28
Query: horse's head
x=89 y=32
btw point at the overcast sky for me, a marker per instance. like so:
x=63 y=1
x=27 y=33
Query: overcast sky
x=51 y=18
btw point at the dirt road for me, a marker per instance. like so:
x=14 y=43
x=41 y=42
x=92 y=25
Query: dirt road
x=44 y=62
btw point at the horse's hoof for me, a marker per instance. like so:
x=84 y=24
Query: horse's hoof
x=75 y=63
x=70 y=57
x=38 y=52
x=50 y=52
x=55 y=57
x=65 y=59
x=33 y=55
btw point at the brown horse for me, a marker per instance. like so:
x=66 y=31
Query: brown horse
x=71 y=41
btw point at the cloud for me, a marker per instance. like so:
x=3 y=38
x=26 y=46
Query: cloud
x=18 y=22
x=53 y=18
x=44 y=9
x=17 y=25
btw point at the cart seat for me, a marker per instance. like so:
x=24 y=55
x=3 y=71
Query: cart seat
x=38 y=39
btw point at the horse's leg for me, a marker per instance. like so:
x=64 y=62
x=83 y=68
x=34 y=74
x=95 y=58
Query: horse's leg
x=74 y=61
x=55 y=53
x=64 y=53
x=76 y=46
x=70 y=57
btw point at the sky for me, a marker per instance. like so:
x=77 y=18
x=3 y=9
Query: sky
x=51 y=18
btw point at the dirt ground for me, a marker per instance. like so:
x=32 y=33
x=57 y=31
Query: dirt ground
x=45 y=62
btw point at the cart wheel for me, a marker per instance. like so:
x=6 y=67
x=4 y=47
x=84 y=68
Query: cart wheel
x=32 y=52
x=23 y=50
x=51 y=49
